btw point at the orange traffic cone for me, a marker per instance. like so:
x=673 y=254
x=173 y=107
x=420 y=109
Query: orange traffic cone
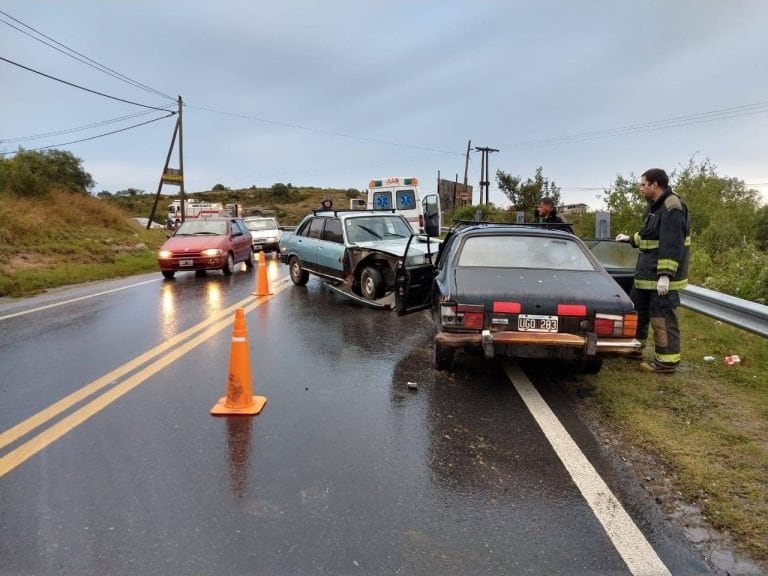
x=239 y=398
x=262 y=282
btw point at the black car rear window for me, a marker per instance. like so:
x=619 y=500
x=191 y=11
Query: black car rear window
x=523 y=252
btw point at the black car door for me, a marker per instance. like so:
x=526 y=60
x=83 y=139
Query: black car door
x=413 y=282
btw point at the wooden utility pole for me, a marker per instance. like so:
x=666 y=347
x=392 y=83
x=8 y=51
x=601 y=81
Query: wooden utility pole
x=466 y=167
x=455 y=192
x=172 y=176
x=181 y=161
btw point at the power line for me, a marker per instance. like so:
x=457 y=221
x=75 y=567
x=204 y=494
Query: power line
x=699 y=118
x=93 y=137
x=328 y=132
x=81 y=87
x=83 y=58
x=76 y=129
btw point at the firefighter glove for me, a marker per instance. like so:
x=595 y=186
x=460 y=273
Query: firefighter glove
x=662 y=286
x=622 y=238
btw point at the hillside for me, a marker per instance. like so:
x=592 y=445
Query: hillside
x=287 y=203
x=66 y=238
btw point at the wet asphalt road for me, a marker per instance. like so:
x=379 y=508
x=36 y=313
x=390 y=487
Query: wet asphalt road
x=346 y=471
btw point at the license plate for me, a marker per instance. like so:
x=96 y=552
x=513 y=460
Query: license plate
x=535 y=323
x=186 y=262
x=257 y=246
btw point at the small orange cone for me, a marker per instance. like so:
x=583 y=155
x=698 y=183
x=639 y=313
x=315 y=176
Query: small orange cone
x=262 y=282
x=239 y=398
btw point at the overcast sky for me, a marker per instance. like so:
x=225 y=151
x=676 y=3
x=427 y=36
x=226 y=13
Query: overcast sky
x=334 y=93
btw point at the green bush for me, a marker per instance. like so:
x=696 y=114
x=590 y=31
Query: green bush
x=488 y=213
x=34 y=174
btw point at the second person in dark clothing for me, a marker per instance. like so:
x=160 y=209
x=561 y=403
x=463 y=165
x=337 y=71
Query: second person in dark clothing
x=546 y=212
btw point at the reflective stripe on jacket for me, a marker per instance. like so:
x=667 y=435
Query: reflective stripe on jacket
x=664 y=242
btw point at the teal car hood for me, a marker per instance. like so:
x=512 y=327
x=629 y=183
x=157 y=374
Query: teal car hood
x=396 y=246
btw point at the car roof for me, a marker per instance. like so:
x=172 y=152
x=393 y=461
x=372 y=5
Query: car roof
x=252 y=218
x=536 y=229
x=346 y=213
x=213 y=219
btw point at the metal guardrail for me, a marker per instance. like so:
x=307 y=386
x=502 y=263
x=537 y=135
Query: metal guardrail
x=738 y=312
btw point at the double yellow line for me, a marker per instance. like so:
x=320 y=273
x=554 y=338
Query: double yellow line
x=171 y=350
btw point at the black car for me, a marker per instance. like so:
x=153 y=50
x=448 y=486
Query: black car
x=520 y=290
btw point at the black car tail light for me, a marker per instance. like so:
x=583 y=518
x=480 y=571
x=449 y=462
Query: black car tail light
x=630 y=325
x=616 y=325
x=507 y=307
x=470 y=316
x=571 y=310
x=448 y=313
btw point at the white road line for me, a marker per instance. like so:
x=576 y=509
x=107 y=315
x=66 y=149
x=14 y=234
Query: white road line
x=47 y=306
x=637 y=553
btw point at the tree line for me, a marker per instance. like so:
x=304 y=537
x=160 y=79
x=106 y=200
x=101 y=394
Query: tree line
x=729 y=224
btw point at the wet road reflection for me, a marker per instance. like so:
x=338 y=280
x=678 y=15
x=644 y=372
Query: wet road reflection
x=238 y=430
x=347 y=469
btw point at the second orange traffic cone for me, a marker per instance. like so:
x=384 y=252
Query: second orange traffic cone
x=239 y=398
x=262 y=282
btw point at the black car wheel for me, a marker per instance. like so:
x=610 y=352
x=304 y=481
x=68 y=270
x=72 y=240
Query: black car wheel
x=371 y=284
x=591 y=366
x=298 y=276
x=249 y=260
x=168 y=274
x=442 y=357
x=229 y=266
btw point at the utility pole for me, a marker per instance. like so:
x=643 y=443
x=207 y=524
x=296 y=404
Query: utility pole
x=181 y=162
x=484 y=176
x=466 y=166
x=172 y=176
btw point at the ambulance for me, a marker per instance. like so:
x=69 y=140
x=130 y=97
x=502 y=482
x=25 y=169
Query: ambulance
x=402 y=195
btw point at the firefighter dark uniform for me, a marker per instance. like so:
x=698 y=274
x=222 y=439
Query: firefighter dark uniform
x=664 y=243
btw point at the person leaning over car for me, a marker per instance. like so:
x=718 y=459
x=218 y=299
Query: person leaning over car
x=546 y=212
x=661 y=270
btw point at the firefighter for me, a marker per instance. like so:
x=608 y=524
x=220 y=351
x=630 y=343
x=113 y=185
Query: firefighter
x=662 y=269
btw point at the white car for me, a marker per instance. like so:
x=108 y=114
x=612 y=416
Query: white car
x=265 y=233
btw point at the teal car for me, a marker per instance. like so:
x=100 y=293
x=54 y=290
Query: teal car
x=358 y=253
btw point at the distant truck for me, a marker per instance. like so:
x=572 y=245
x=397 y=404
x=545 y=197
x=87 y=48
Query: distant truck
x=402 y=195
x=194 y=209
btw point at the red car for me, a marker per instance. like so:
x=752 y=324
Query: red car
x=206 y=244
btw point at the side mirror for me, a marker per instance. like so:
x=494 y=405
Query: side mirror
x=431 y=225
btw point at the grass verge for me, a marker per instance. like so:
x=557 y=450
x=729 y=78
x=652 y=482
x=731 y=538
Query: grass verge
x=708 y=423
x=69 y=239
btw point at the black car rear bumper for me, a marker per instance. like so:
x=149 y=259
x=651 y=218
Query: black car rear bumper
x=539 y=344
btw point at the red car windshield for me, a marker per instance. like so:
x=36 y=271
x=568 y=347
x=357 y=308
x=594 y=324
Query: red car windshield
x=193 y=227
